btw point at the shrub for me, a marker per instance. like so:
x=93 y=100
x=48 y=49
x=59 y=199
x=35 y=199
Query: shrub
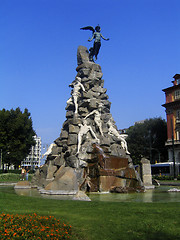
x=32 y=227
x=16 y=171
x=164 y=177
x=9 y=177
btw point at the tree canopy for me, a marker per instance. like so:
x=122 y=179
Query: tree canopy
x=147 y=140
x=16 y=135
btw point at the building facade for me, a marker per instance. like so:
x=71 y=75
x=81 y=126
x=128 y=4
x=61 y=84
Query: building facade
x=172 y=107
x=33 y=160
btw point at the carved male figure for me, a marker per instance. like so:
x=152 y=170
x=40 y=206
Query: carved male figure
x=113 y=132
x=84 y=129
x=97 y=118
x=77 y=87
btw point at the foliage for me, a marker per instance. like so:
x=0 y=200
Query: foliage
x=32 y=227
x=147 y=140
x=9 y=177
x=164 y=177
x=16 y=135
x=17 y=171
x=12 y=177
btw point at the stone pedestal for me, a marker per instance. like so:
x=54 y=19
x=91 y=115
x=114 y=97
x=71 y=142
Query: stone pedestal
x=146 y=173
x=23 y=184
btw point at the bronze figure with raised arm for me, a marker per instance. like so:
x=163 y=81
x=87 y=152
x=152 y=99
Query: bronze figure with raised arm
x=97 y=41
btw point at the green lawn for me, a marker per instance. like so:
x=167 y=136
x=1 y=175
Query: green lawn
x=12 y=177
x=103 y=220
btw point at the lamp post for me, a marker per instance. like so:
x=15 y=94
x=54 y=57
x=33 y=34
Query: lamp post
x=1 y=158
x=32 y=158
x=173 y=149
x=150 y=146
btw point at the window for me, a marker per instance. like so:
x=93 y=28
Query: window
x=178 y=115
x=177 y=94
x=178 y=81
x=177 y=135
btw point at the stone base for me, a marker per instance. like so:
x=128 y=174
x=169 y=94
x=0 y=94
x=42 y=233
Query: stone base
x=106 y=182
x=81 y=196
x=23 y=184
x=149 y=187
x=58 y=192
x=126 y=189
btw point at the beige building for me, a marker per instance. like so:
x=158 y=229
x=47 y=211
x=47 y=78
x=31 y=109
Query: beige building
x=34 y=158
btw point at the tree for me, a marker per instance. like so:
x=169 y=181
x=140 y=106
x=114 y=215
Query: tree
x=147 y=140
x=16 y=135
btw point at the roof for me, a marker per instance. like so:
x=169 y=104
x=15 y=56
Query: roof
x=176 y=76
x=171 y=88
x=175 y=103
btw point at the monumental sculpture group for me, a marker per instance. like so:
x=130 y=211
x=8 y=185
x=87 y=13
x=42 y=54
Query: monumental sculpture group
x=90 y=154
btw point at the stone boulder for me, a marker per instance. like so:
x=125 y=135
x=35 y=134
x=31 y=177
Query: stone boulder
x=65 y=180
x=82 y=55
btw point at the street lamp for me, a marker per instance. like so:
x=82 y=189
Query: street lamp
x=1 y=158
x=173 y=149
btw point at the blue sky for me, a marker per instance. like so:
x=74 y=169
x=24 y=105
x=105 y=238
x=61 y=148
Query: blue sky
x=38 y=46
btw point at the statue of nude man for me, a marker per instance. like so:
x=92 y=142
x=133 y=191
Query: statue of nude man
x=97 y=118
x=77 y=86
x=114 y=132
x=84 y=129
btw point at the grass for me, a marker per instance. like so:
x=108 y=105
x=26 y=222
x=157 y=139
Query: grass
x=102 y=220
x=12 y=177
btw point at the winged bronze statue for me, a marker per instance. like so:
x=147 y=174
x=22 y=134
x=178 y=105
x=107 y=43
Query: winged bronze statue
x=97 y=41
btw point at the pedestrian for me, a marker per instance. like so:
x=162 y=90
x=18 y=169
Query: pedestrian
x=27 y=173
x=23 y=172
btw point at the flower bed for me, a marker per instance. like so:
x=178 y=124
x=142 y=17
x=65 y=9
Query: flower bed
x=32 y=227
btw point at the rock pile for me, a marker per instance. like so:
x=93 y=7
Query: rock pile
x=88 y=121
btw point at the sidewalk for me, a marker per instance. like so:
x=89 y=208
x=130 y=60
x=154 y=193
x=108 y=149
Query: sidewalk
x=169 y=183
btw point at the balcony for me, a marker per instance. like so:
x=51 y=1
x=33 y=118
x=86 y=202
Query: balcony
x=169 y=142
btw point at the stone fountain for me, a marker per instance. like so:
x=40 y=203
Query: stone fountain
x=90 y=154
